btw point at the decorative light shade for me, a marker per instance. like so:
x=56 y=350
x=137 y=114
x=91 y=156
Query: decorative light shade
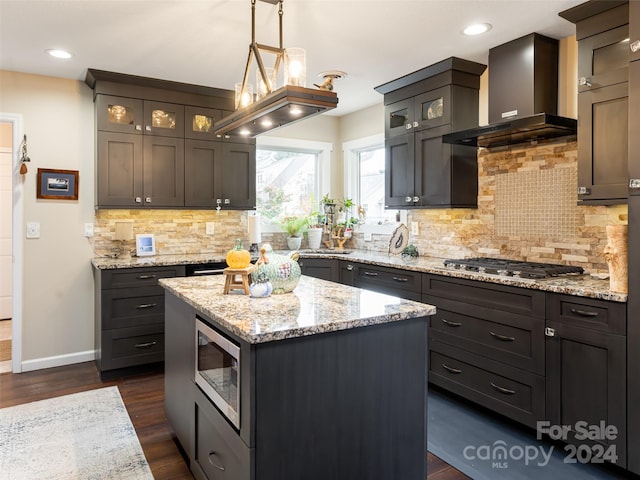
x=274 y=107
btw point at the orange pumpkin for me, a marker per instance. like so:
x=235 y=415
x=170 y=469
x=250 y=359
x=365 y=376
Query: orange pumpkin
x=238 y=257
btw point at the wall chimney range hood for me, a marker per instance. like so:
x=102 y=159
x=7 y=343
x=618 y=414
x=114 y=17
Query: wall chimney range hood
x=523 y=96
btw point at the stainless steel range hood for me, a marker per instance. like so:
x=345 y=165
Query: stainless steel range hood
x=520 y=130
x=523 y=96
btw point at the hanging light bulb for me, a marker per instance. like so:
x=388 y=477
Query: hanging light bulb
x=24 y=159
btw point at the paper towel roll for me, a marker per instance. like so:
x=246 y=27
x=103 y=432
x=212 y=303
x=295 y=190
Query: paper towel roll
x=253 y=222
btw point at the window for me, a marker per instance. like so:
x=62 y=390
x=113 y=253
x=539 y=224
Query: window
x=290 y=176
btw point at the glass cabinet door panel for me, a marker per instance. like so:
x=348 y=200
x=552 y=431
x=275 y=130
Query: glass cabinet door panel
x=433 y=108
x=164 y=119
x=399 y=118
x=118 y=114
x=200 y=122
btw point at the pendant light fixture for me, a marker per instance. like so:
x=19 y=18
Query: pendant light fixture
x=273 y=106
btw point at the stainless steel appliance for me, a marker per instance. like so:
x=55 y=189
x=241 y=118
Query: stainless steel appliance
x=218 y=370
x=512 y=268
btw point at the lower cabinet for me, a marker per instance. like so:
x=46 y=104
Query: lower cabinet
x=129 y=316
x=392 y=281
x=586 y=373
x=323 y=268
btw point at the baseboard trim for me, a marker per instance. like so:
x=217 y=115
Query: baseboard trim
x=58 y=360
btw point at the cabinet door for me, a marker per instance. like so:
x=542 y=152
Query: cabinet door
x=634 y=31
x=118 y=114
x=163 y=171
x=238 y=176
x=202 y=173
x=433 y=167
x=163 y=119
x=199 y=122
x=399 y=171
x=324 y=268
x=433 y=109
x=398 y=117
x=603 y=59
x=634 y=125
x=586 y=382
x=603 y=121
x=119 y=175
x=348 y=272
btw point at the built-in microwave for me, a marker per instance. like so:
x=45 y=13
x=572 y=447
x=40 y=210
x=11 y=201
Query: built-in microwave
x=218 y=370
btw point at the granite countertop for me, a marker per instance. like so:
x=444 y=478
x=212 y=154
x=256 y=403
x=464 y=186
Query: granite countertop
x=315 y=306
x=580 y=285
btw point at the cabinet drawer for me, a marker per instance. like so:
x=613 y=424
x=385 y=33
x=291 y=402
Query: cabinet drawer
x=389 y=277
x=127 y=347
x=588 y=313
x=495 y=297
x=219 y=451
x=509 y=391
x=138 y=277
x=132 y=307
x=520 y=344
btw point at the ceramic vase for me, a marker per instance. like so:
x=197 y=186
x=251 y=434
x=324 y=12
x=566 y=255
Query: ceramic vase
x=294 y=243
x=314 y=236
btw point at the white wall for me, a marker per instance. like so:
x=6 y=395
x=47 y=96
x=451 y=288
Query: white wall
x=57 y=304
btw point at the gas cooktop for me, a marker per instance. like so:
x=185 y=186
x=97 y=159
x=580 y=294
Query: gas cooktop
x=512 y=268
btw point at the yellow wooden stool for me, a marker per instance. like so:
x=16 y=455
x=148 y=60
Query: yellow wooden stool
x=237 y=279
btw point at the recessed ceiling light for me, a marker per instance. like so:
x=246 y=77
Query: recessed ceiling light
x=477 y=29
x=57 y=53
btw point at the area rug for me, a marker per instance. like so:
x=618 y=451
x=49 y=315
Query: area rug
x=84 y=436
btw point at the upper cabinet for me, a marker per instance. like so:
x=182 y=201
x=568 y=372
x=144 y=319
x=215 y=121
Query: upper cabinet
x=634 y=97
x=602 y=31
x=155 y=146
x=420 y=170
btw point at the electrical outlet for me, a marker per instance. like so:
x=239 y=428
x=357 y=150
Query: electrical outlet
x=367 y=237
x=414 y=228
x=33 y=229
x=88 y=230
x=210 y=228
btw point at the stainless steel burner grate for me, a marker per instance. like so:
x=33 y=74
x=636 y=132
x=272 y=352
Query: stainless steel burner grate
x=512 y=268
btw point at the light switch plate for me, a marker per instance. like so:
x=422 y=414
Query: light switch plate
x=367 y=237
x=88 y=230
x=414 y=228
x=210 y=228
x=33 y=229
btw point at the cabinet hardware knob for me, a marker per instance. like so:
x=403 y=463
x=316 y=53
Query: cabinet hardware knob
x=415 y=199
x=145 y=345
x=584 y=191
x=147 y=199
x=219 y=467
x=139 y=128
x=584 y=81
x=450 y=323
x=400 y=279
x=147 y=128
x=635 y=46
x=138 y=199
x=371 y=274
x=350 y=267
x=415 y=124
x=146 y=305
x=218 y=201
x=407 y=199
x=408 y=126
x=550 y=332
x=583 y=313
x=227 y=201
x=145 y=277
x=506 y=391
x=634 y=183
x=451 y=369
x=504 y=338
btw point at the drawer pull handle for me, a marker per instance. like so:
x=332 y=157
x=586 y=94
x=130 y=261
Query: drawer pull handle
x=145 y=277
x=146 y=305
x=400 y=279
x=145 y=345
x=506 y=391
x=451 y=369
x=219 y=467
x=504 y=338
x=584 y=313
x=451 y=324
x=371 y=274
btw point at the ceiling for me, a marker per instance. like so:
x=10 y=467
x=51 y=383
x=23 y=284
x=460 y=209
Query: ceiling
x=206 y=42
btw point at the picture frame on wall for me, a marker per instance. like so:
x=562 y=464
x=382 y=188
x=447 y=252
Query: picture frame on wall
x=145 y=244
x=56 y=184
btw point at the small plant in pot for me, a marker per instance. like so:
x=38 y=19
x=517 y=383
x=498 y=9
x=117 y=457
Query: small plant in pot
x=294 y=226
x=314 y=230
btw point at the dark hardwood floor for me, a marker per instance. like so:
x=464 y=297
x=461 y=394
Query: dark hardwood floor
x=143 y=396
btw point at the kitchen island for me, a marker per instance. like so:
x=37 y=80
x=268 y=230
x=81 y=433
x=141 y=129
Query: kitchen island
x=332 y=379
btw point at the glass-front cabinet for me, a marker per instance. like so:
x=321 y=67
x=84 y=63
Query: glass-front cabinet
x=119 y=114
x=163 y=119
x=199 y=122
x=428 y=110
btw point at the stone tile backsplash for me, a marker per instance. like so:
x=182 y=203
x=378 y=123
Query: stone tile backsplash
x=526 y=211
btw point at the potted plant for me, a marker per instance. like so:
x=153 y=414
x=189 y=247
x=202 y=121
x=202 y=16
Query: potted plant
x=294 y=226
x=314 y=230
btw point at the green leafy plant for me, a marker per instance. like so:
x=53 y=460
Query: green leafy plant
x=294 y=226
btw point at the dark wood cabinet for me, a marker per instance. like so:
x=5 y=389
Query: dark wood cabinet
x=421 y=171
x=602 y=31
x=238 y=176
x=163 y=171
x=392 y=281
x=202 y=160
x=586 y=369
x=348 y=272
x=129 y=316
x=634 y=127
x=324 y=268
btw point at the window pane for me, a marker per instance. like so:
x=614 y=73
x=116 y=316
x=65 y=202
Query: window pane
x=286 y=182
x=372 y=182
